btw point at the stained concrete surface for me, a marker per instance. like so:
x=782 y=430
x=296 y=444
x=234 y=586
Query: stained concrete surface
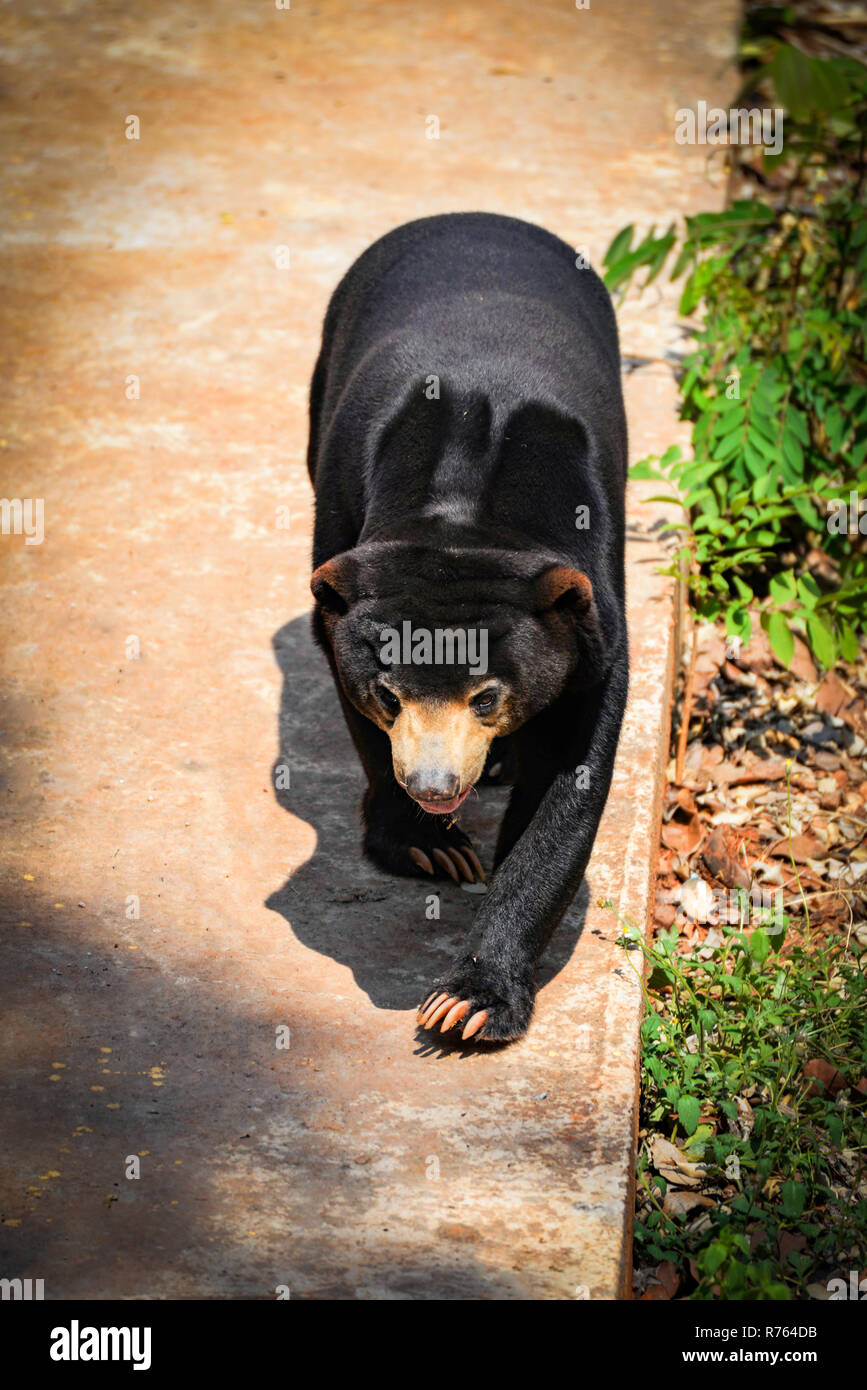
x=164 y=912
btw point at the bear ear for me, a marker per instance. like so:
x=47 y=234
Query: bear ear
x=565 y=589
x=333 y=584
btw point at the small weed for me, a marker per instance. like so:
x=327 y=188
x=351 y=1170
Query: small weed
x=775 y=386
x=728 y=1033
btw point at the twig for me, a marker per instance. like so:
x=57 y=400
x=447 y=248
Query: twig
x=686 y=708
x=791 y=852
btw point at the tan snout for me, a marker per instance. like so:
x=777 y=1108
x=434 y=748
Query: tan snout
x=439 y=751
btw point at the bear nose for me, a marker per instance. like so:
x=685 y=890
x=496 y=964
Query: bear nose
x=431 y=784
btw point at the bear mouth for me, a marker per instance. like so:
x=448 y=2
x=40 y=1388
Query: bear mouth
x=444 y=808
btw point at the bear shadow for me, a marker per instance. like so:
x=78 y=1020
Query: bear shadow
x=395 y=934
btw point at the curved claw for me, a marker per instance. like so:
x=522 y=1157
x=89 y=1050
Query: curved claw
x=419 y=857
x=440 y=1010
x=460 y=1010
x=462 y=864
x=477 y=1021
x=425 y=1012
x=475 y=861
x=445 y=863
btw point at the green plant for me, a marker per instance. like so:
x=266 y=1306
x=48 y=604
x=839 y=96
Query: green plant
x=776 y=385
x=725 y=1041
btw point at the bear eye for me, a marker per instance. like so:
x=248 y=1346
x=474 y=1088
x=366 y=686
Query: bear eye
x=484 y=702
x=387 y=698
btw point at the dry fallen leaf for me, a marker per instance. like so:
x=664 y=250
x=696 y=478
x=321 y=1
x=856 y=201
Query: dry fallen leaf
x=719 y=858
x=835 y=697
x=673 y=1165
x=683 y=836
x=800 y=848
x=666 y=1273
x=766 y=770
x=678 y=1203
x=818 y=1070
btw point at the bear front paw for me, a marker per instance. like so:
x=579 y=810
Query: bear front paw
x=418 y=845
x=492 y=1004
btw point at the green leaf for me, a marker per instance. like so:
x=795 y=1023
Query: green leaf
x=783 y=587
x=743 y=589
x=822 y=642
x=793 y=457
x=808 y=590
x=711 y=1259
x=834 y=1125
x=829 y=90
x=780 y=637
x=665 y=497
x=688 y=1112
x=644 y=469
x=659 y=258
x=687 y=252
x=699 y=473
x=692 y=292
x=792 y=76
x=807 y=512
x=763 y=485
x=797 y=424
x=738 y=622
x=794 y=1198
x=619 y=246
x=646 y=253
x=761 y=443
x=848 y=642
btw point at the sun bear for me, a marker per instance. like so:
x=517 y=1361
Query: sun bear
x=468 y=454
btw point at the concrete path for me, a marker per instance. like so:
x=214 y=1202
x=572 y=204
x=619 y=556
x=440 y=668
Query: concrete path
x=164 y=913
